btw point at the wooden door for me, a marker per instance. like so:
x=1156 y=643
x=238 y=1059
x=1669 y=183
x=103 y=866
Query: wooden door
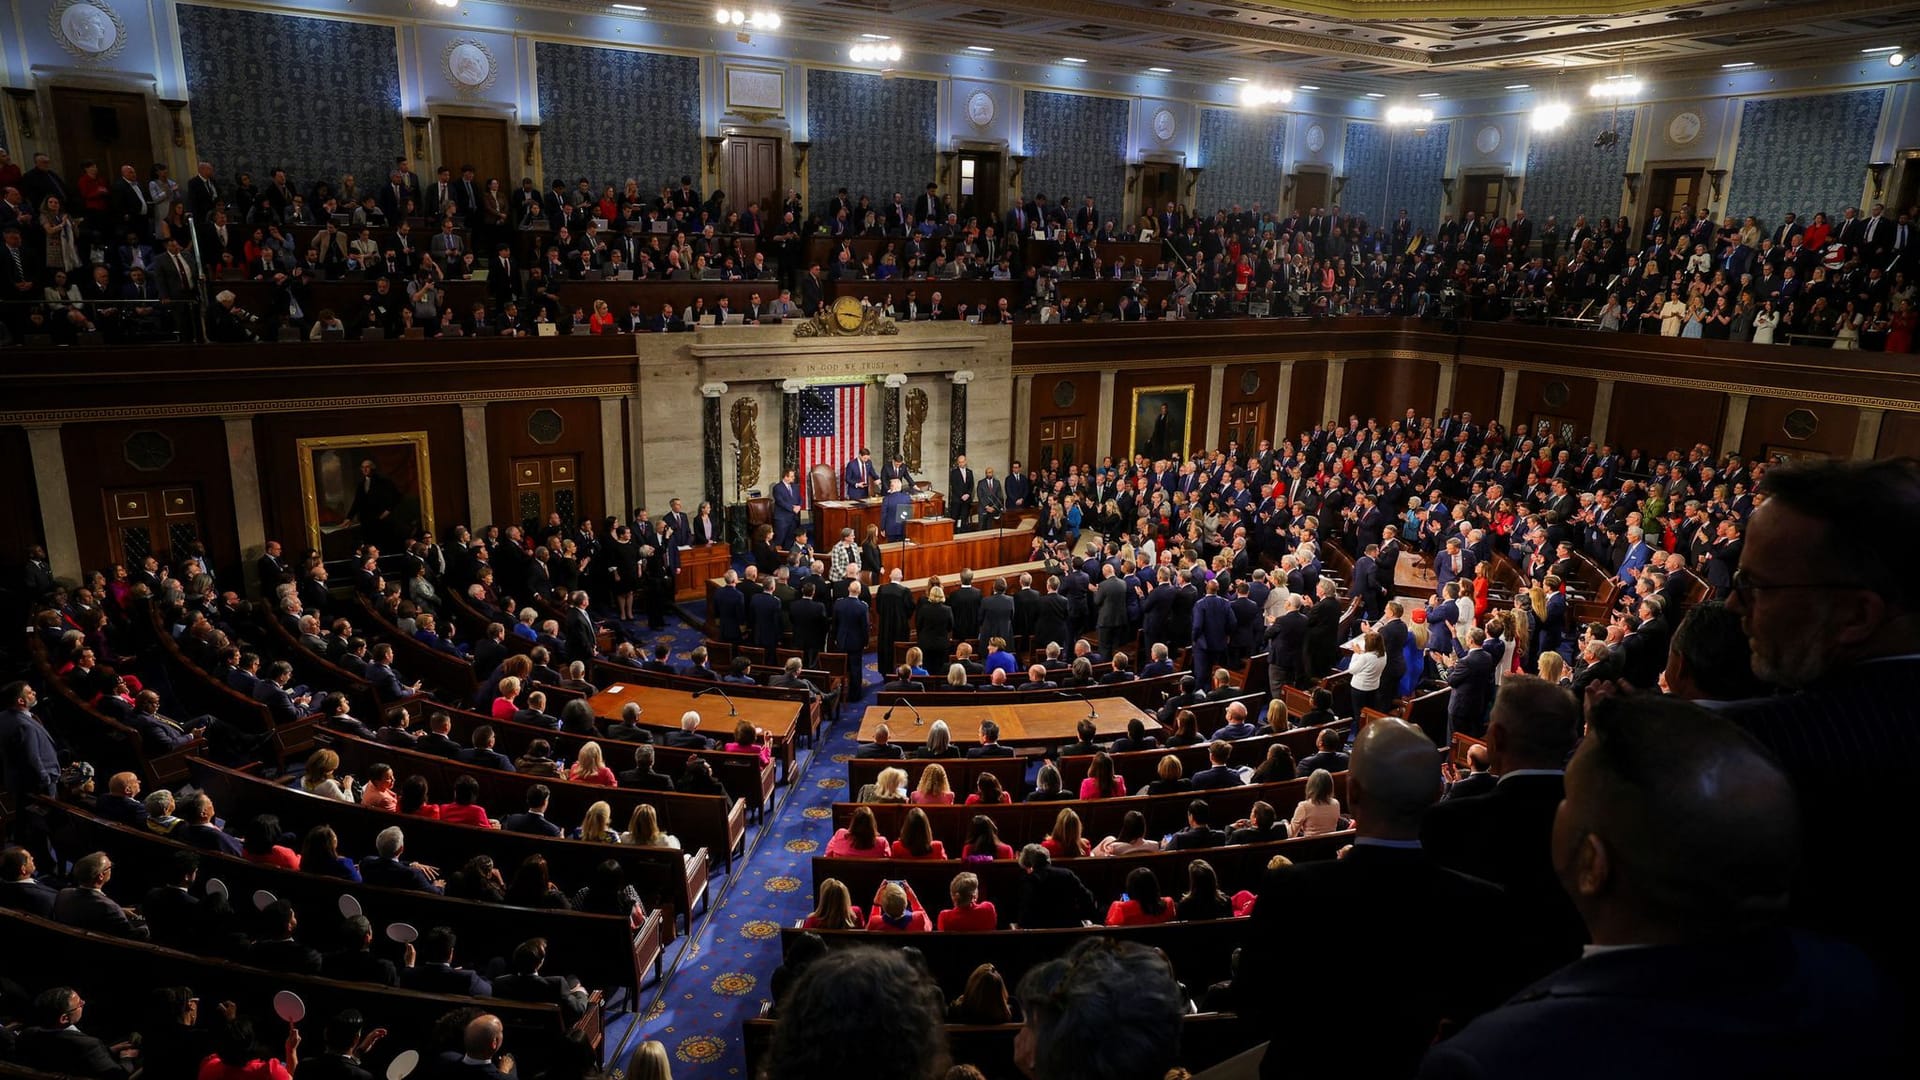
x=104 y=126
x=752 y=174
x=1159 y=185
x=547 y=485
x=980 y=186
x=479 y=141
x=1563 y=428
x=159 y=521
x=1309 y=191
x=1481 y=194
x=1060 y=438
x=1246 y=424
x=1673 y=190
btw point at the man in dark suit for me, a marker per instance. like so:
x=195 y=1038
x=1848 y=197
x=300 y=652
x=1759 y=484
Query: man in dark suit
x=881 y=746
x=1479 y=779
x=1472 y=678
x=786 y=509
x=480 y=1046
x=860 y=480
x=1693 y=973
x=1286 y=637
x=55 y=1043
x=27 y=752
x=19 y=889
x=385 y=681
x=179 y=914
x=533 y=820
x=1390 y=786
x=388 y=867
x=960 y=492
x=688 y=736
x=1220 y=774
x=85 y=906
x=808 y=618
x=1505 y=836
x=340 y=1056
x=525 y=983
x=437 y=740
x=1847 y=652
x=643 y=777
x=434 y=972
x=1323 y=631
x=578 y=631
x=274 y=947
x=850 y=626
x=1199 y=832
x=1051 y=897
x=1213 y=624
x=482 y=753
x=197 y=828
x=990 y=743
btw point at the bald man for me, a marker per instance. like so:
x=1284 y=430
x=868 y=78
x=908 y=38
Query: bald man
x=1393 y=964
x=479 y=1057
x=1678 y=842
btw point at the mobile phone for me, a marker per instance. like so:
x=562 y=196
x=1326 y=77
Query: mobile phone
x=1124 y=898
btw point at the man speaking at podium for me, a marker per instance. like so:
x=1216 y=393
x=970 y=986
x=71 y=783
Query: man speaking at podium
x=895 y=508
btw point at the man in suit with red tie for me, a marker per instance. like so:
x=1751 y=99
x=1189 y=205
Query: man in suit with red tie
x=1453 y=564
x=860 y=479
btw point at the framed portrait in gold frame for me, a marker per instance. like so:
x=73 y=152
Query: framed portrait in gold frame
x=358 y=489
x=1161 y=414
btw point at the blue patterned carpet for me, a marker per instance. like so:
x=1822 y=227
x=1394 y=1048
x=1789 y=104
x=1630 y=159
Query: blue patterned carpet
x=717 y=977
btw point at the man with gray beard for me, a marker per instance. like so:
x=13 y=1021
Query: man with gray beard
x=1831 y=606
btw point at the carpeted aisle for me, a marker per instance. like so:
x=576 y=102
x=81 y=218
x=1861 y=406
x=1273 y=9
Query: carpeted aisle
x=717 y=978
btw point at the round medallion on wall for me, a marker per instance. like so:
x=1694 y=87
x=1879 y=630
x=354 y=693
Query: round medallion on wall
x=1488 y=139
x=1250 y=381
x=1164 y=125
x=1801 y=424
x=1316 y=138
x=1684 y=128
x=89 y=29
x=468 y=65
x=1555 y=394
x=1064 y=393
x=148 y=451
x=980 y=108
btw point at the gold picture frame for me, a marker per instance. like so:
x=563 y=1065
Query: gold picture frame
x=1147 y=401
x=329 y=474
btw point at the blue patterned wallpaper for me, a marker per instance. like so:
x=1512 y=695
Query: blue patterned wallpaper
x=871 y=135
x=1241 y=150
x=1803 y=154
x=1078 y=146
x=1380 y=183
x=317 y=97
x=611 y=114
x=1567 y=176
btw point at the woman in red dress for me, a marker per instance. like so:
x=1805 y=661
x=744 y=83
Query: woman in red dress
x=1900 y=334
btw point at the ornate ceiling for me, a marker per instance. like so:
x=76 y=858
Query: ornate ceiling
x=1363 y=44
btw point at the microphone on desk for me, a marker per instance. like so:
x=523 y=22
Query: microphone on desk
x=917 y=722
x=1092 y=713
x=731 y=709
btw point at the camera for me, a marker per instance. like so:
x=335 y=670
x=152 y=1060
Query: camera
x=1606 y=139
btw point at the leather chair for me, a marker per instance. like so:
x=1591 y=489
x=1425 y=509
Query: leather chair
x=823 y=483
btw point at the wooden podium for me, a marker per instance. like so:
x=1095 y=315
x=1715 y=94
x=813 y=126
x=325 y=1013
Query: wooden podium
x=830 y=517
x=931 y=530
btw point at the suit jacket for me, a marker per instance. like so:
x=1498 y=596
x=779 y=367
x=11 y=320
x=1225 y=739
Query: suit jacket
x=1761 y=1004
x=537 y=824
x=67 y=1051
x=1054 y=898
x=30 y=896
x=443 y=979
x=1472 y=682
x=1375 y=887
x=89 y=909
x=1505 y=837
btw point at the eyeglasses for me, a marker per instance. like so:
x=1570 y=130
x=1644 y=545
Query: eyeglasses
x=1746 y=586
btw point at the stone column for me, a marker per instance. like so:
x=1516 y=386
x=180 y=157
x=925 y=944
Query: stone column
x=1336 y=380
x=790 y=428
x=1509 y=395
x=1216 y=404
x=957 y=414
x=712 y=470
x=1022 y=418
x=890 y=418
x=1866 y=437
x=1443 y=390
x=473 y=435
x=244 y=470
x=1735 y=428
x=1602 y=410
x=613 y=456
x=1283 y=404
x=1103 y=427
x=56 y=501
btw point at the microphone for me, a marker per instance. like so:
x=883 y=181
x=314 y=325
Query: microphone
x=917 y=722
x=731 y=709
x=1092 y=713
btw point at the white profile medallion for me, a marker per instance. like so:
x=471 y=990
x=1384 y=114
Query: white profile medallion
x=468 y=65
x=1316 y=138
x=980 y=108
x=1488 y=139
x=1164 y=125
x=89 y=29
x=1684 y=128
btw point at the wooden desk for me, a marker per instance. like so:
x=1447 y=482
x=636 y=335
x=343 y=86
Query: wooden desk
x=697 y=564
x=829 y=517
x=1047 y=724
x=661 y=709
x=929 y=530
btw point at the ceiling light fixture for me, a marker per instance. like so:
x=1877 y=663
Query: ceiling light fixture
x=1376 y=97
x=1616 y=87
x=1897 y=58
x=1551 y=117
x=1428 y=94
x=875 y=37
x=874 y=54
x=1880 y=49
x=1253 y=96
x=1737 y=65
x=1161 y=70
x=1407 y=114
x=980 y=48
x=756 y=19
x=1519 y=86
x=1307 y=87
x=1235 y=79
x=630 y=7
x=1073 y=59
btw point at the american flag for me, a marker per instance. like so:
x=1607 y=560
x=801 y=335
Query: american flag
x=833 y=426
